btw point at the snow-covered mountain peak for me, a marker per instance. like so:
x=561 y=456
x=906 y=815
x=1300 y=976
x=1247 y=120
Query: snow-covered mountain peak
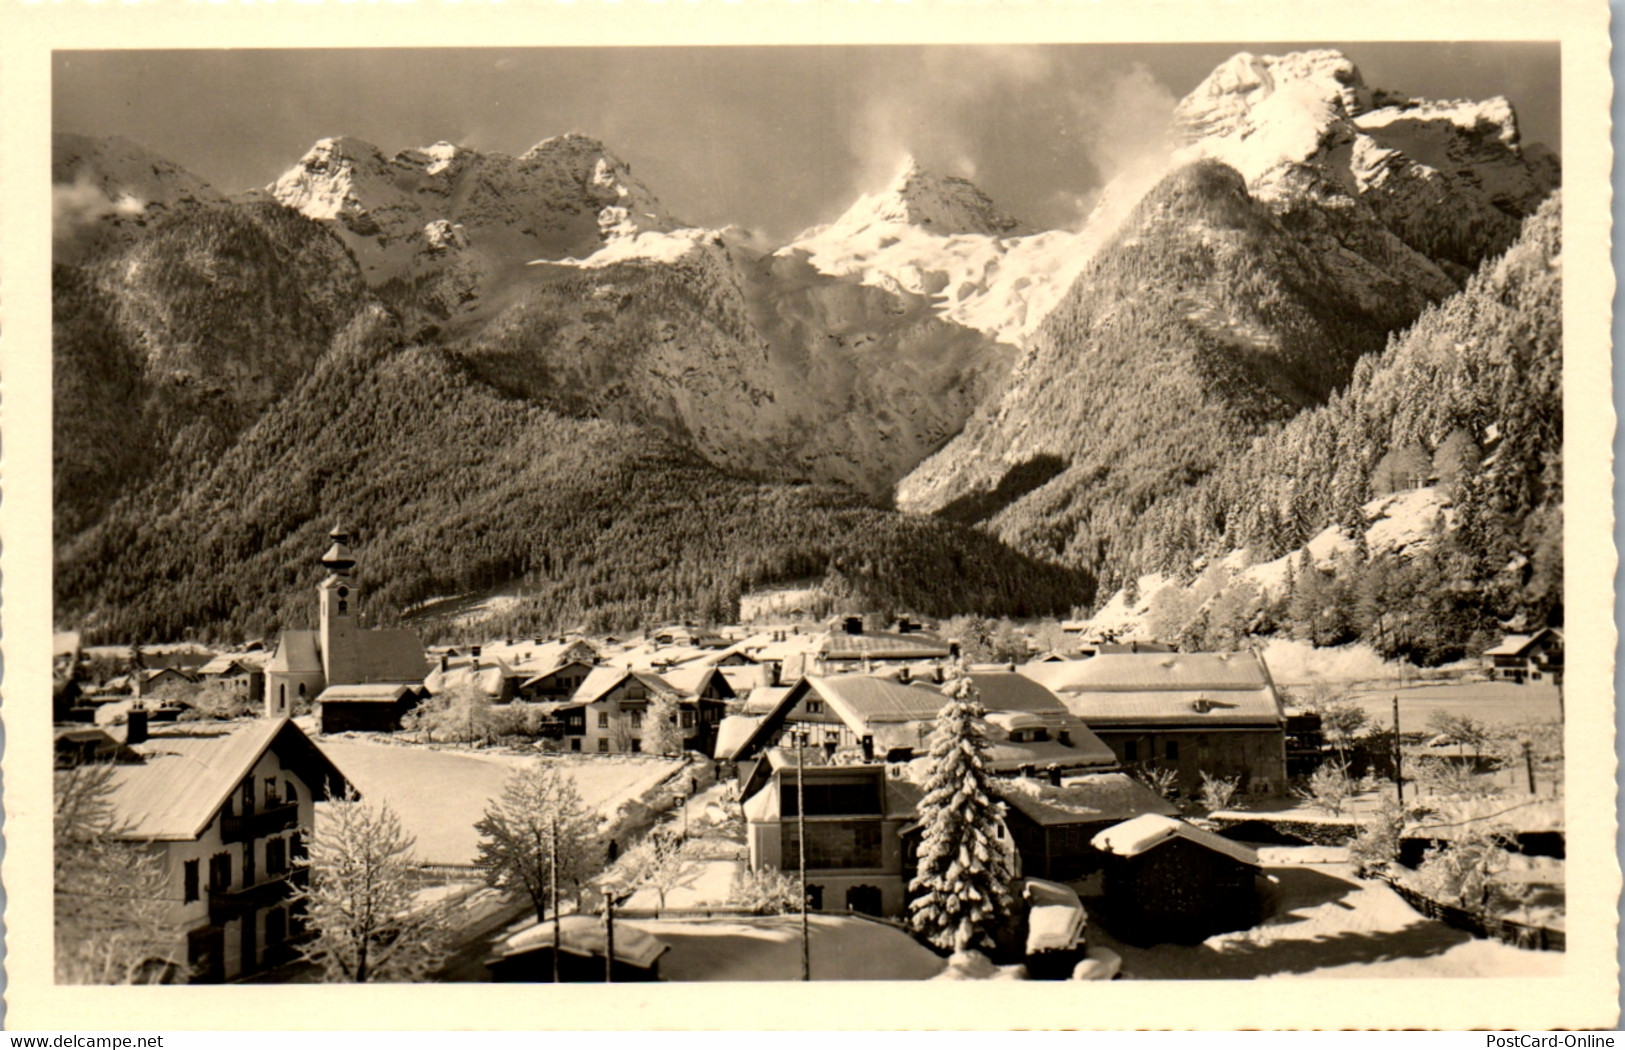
x=1449 y=178
x=441 y=157
x=332 y=177
x=1247 y=93
x=942 y=204
x=627 y=206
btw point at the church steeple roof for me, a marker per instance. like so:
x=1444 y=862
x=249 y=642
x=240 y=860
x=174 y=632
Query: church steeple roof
x=338 y=558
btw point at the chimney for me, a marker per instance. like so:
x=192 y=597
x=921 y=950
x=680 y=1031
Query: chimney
x=776 y=669
x=936 y=674
x=135 y=726
x=445 y=662
x=1054 y=775
x=1028 y=771
x=904 y=675
x=474 y=651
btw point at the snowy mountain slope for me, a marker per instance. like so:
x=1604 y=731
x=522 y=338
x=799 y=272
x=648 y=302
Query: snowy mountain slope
x=1451 y=179
x=106 y=191
x=760 y=362
x=566 y=196
x=1348 y=212
x=941 y=237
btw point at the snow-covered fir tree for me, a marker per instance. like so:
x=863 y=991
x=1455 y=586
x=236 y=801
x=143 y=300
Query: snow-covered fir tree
x=964 y=871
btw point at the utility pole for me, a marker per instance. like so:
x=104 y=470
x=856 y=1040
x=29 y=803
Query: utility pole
x=1399 y=770
x=801 y=854
x=609 y=918
x=1529 y=763
x=553 y=882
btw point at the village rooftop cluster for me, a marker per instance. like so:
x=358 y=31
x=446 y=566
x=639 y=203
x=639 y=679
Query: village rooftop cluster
x=716 y=781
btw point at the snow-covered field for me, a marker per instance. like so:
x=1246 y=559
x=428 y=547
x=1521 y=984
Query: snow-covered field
x=440 y=793
x=1498 y=703
x=1327 y=923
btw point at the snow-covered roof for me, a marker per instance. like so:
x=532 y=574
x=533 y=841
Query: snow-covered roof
x=1134 y=837
x=585 y=936
x=733 y=733
x=187 y=773
x=1163 y=688
x=1091 y=799
x=364 y=693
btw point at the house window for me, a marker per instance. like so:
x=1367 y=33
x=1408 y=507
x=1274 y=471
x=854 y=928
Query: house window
x=247 y=796
x=815 y=898
x=271 y=798
x=220 y=873
x=248 y=863
x=603 y=720
x=637 y=719
x=301 y=690
x=344 y=607
x=1170 y=750
x=290 y=794
x=603 y=744
x=686 y=719
x=276 y=926
x=189 y=880
x=575 y=743
x=1131 y=751
x=815 y=707
x=297 y=846
x=276 y=856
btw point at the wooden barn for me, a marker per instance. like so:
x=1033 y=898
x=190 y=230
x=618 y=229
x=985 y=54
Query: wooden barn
x=1167 y=880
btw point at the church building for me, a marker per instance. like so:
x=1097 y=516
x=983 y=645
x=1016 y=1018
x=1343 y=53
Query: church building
x=358 y=678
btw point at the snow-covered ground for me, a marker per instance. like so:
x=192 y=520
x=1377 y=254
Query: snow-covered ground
x=439 y=794
x=768 y=948
x=1327 y=923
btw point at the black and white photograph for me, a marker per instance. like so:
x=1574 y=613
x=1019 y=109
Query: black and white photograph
x=1043 y=514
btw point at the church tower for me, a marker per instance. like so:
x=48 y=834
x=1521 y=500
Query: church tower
x=340 y=600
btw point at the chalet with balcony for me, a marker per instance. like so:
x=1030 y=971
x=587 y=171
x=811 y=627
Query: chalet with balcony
x=1527 y=657
x=615 y=702
x=230 y=811
x=892 y=716
x=855 y=817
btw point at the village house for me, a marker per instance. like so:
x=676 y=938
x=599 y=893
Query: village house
x=891 y=718
x=855 y=817
x=615 y=702
x=1527 y=657
x=229 y=811
x=341 y=654
x=1193 y=713
x=241 y=674
x=557 y=681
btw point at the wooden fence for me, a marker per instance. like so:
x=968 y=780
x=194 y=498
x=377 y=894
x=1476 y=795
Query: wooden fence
x=1517 y=934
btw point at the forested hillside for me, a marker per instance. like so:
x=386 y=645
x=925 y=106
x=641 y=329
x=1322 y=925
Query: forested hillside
x=167 y=346
x=1205 y=320
x=453 y=487
x=1468 y=401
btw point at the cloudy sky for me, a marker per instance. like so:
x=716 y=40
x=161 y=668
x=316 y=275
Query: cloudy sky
x=771 y=138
